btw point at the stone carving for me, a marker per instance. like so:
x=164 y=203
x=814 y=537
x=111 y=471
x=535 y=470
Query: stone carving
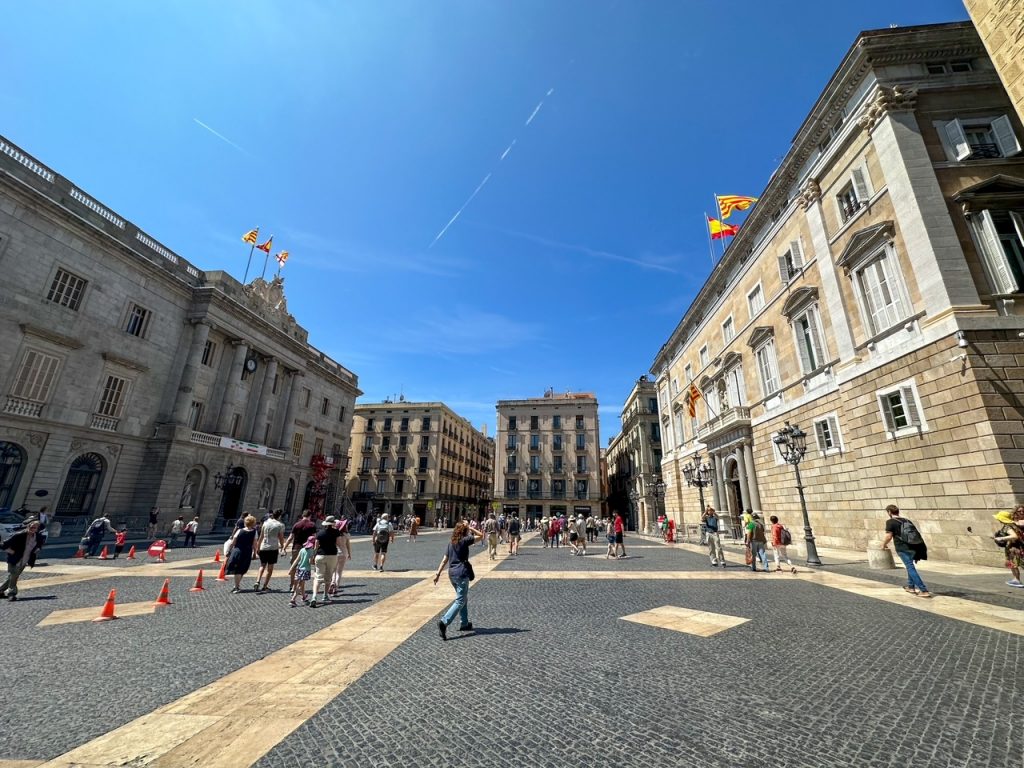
x=186 y=494
x=77 y=445
x=113 y=449
x=810 y=194
x=36 y=438
x=897 y=98
x=270 y=295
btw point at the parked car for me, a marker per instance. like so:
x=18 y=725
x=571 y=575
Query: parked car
x=11 y=522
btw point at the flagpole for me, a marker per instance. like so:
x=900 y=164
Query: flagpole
x=721 y=218
x=266 y=259
x=248 y=263
x=711 y=247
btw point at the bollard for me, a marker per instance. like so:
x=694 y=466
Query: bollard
x=880 y=559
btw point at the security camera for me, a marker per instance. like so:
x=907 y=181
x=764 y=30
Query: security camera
x=961 y=340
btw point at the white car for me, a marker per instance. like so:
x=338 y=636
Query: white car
x=10 y=523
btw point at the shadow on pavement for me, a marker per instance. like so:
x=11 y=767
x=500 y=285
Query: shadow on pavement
x=487 y=631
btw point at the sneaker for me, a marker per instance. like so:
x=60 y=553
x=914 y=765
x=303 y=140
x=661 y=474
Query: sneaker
x=235 y=590
x=293 y=604
x=778 y=569
x=13 y=598
x=256 y=587
x=312 y=603
x=442 y=629
x=714 y=563
x=1015 y=583
x=466 y=627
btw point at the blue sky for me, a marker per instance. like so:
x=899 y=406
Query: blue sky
x=354 y=131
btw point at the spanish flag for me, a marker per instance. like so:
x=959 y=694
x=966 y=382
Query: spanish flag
x=729 y=203
x=719 y=229
x=282 y=257
x=265 y=247
x=692 y=396
x=251 y=236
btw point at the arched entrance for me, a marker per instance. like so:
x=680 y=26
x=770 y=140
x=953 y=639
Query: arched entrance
x=78 y=496
x=234 y=484
x=733 y=490
x=12 y=459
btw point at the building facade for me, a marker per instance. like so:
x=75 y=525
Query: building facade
x=547 y=456
x=418 y=458
x=132 y=379
x=634 y=460
x=1001 y=26
x=874 y=298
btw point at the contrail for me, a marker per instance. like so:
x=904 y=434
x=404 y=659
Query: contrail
x=509 y=149
x=534 y=113
x=459 y=212
x=220 y=136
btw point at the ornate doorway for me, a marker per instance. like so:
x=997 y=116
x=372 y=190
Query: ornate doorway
x=12 y=459
x=78 y=496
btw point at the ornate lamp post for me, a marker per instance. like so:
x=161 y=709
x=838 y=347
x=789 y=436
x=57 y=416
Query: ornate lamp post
x=697 y=473
x=792 y=444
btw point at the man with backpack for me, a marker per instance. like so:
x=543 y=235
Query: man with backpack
x=383 y=534
x=781 y=539
x=514 y=535
x=910 y=548
x=710 y=522
x=97 y=530
x=757 y=541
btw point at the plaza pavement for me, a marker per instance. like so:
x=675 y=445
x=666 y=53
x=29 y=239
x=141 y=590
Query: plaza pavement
x=833 y=668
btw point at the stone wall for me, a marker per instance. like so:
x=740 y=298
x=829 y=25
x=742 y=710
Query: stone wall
x=1001 y=26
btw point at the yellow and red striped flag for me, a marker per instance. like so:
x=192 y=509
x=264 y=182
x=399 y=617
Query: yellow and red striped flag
x=251 y=236
x=282 y=257
x=265 y=247
x=729 y=203
x=718 y=229
x=692 y=396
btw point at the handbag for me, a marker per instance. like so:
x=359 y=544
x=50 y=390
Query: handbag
x=469 y=570
x=748 y=554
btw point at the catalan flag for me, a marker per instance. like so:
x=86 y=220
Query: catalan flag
x=692 y=396
x=265 y=247
x=251 y=236
x=729 y=203
x=719 y=229
x=282 y=257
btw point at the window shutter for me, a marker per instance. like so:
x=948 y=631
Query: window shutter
x=957 y=139
x=834 y=429
x=890 y=424
x=910 y=406
x=784 y=269
x=1005 y=138
x=860 y=185
x=797 y=253
x=801 y=346
x=993 y=255
x=819 y=349
x=819 y=429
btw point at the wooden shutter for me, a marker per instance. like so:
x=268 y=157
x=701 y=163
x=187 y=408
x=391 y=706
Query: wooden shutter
x=890 y=423
x=815 y=334
x=833 y=425
x=860 y=186
x=993 y=255
x=910 y=406
x=958 y=139
x=784 y=268
x=801 y=345
x=1005 y=138
x=819 y=429
x=797 y=253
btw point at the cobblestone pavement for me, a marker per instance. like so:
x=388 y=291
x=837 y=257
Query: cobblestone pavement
x=551 y=676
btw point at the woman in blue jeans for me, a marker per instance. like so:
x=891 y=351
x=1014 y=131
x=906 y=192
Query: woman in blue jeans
x=459 y=572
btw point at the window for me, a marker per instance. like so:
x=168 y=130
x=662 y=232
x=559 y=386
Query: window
x=399 y=487
x=556 y=422
x=512 y=488
x=534 y=442
x=385 y=443
x=534 y=422
x=687 y=374
x=727 y=331
x=1000 y=238
x=557 y=464
x=401 y=464
x=425 y=424
x=341 y=409
x=980 y=138
x=382 y=487
x=403 y=442
x=318 y=447
x=579 y=422
x=307 y=394
x=423 y=464
x=581 y=463
x=755 y=301
x=387 y=424
x=535 y=463
x=365 y=466
x=680 y=434
x=827 y=432
x=901 y=410
x=512 y=423
x=854 y=195
x=112 y=398
x=66 y=290
x=364 y=486
x=652 y=404
x=404 y=425
x=581 y=489
x=581 y=441
x=512 y=463
x=297 y=445
x=655 y=432
x=368 y=442
x=558 y=489
x=768 y=368
x=369 y=423
x=533 y=489
x=705 y=356
x=808 y=341
x=421 y=487
x=512 y=441
x=383 y=464
x=209 y=350
x=880 y=292
x=424 y=442
x=137 y=321
x=960 y=66
x=36 y=376
x=556 y=442
x=675 y=384
x=790 y=262
x=195 y=414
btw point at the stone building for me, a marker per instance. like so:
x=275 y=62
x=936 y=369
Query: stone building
x=1001 y=26
x=132 y=379
x=874 y=298
x=419 y=458
x=547 y=457
x=634 y=460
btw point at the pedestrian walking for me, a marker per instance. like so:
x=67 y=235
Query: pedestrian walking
x=268 y=548
x=303 y=528
x=460 y=573
x=555 y=531
x=757 y=542
x=44 y=523
x=574 y=536
x=910 y=547
x=591 y=524
x=154 y=517
x=1011 y=537
x=383 y=534
x=545 y=524
x=301 y=571
x=177 y=527
x=21 y=550
x=97 y=530
x=241 y=551
x=610 y=536
x=414 y=528
x=781 y=539
x=514 y=535
x=491 y=533
x=120 y=537
x=325 y=560
x=711 y=526
x=191 y=529
x=619 y=528
x=581 y=529
x=344 y=555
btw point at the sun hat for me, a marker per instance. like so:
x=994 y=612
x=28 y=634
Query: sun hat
x=310 y=543
x=1004 y=517
x=328 y=521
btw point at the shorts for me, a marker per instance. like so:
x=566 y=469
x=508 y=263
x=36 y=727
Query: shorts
x=573 y=536
x=268 y=556
x=618 y=537
x=379 y=548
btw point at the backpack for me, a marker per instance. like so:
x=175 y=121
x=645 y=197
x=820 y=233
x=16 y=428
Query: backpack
x=1004 y=531
x=909 y=534
x=382 y=536
x=513 y=527
x=97 y=526
x=785 y=537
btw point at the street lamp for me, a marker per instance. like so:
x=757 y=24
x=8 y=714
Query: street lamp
x=696 y=473
x=792 y=444
x=634 y=497
x=227 y=478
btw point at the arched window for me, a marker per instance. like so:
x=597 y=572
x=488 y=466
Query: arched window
x=78 y=497
x=12 y=459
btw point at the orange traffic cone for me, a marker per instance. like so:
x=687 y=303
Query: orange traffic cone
x=162 y=558
x=80 y=553
x=221 y=576
x=199 y=582
x=108 y=608
x=216 y=558
x=103 y=554
x=164 y=598
x=131 y=553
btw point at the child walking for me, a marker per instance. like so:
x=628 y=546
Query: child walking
x=301 y=571
x=119 y=540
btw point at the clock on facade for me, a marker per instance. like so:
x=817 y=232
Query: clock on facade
x=250 y=364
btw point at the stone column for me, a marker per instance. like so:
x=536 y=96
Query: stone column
x=288 y=424
x=718 y=486
x=230 y=400
x=741 y=469
x=748 y=459
x=266 y=393
x=187 y=384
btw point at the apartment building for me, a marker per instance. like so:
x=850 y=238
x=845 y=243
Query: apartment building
x=633 y=459
x=873 y=298
x=418 y=458
x=133 y=379
x=548 y=455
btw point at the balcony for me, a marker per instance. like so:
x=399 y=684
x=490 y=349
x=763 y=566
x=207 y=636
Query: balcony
x=106 y=423
x=511 y=447
x=17 y=406
x=733 y=418
x=534 y=495
x=558 y=494
x=367 y=449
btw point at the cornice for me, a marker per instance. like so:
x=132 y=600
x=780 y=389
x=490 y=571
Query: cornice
x=52 y=336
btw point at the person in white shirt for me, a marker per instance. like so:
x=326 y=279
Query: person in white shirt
x=271 y=542
x=191 y=529
x=176 y=528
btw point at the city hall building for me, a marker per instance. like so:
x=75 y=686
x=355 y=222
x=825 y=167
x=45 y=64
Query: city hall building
x=874 y=297
x=131 y=379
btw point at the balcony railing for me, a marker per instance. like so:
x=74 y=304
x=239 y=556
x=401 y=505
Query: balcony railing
x=106 y=423
x=728 y=419
x=17 y=406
